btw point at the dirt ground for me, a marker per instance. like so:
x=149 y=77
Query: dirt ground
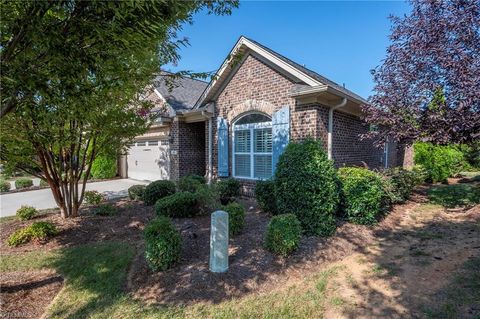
x=391 y=270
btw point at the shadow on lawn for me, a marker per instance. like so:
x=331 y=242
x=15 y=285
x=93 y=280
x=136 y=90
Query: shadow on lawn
x=427 y=271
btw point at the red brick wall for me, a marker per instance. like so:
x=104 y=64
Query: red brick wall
x=187 y=149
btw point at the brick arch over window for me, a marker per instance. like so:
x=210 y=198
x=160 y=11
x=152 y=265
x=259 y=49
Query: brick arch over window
x=250 y=106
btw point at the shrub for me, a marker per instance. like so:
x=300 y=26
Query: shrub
x=265 y=195
x=44 y=183
x=227 y=190
x=93 y=197
x=38 y=231
x=104 y=167
x=136 y=192
x=26 y=212
x=23 y=182
x=4 y=186
x=157 y=190
x=190 y=183
x=207 y=199
x=181 y=204
x=283 y=234
x=402 y=183
x=163 y=244
x=104 y=210
x=306 y=184
x=440 y=162
x=236 y=218
x=363 y=194
x=420 y=174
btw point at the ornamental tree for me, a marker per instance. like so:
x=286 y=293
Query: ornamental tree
x=428 y=87
x=73 y=77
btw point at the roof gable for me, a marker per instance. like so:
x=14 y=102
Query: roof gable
x=245 y=46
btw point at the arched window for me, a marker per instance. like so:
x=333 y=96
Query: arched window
x=252 y=146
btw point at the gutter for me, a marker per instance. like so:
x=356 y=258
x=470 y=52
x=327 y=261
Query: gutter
x=330 y=126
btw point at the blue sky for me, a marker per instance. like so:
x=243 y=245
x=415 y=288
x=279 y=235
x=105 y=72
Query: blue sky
x=340 y=40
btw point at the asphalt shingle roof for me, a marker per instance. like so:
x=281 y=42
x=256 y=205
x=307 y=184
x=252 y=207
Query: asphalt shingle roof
x=183 y=93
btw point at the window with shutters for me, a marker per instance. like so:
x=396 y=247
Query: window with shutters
x=252 y=146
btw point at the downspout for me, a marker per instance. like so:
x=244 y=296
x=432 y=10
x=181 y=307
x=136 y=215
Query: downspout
x=330 y=126
x=210 y=147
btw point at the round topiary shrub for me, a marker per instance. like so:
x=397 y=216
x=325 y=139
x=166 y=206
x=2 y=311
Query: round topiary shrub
x=104 y=210
x=93 y=197
x=44 y=183
x=39 y=231
x=26 y=212
x=181 y=204
x=23 y=182
x=157 y=190
x=227 y=189
x=306 y=185
x=104 y=167
x=163 y=244
x=283 y=234
x=136 y=192
x=190 y=183
x=363 y=195
x=265 y=195
x=236 y=218
x=4 y=186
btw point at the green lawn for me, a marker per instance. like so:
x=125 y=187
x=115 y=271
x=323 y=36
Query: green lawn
x=95 y=276
x=456 y=195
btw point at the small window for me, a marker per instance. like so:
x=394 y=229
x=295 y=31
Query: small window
x=164 y=142
x=141 y=143
x=152 y=143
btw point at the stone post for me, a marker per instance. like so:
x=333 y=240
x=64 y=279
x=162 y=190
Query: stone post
x=219 y=242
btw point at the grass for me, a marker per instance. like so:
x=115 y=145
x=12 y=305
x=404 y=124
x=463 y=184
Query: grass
x=94 y=288
x=456 y=195
x=461 y=294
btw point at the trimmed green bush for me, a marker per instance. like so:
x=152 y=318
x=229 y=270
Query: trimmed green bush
x=420 y=174
x=283 y=234
x=136 y=192
x=44 y=183
x=104 y=167
x=190 y=183
x=93 y=197
x=402 y=182
x=265 y=195
x=38 y=231
x=104 y=210
x=23 y=182
x=227 y=189
x=26 y=212
x=363 y=194
x=163 y=244
x=181 y=204
x=4 y=186
x=306 y=184
x=157 y=190
x=207 y=199
x=236 y=218
x=440 y=162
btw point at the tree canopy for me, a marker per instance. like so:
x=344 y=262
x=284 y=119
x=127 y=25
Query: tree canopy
x=74 y=74
x=428 y=87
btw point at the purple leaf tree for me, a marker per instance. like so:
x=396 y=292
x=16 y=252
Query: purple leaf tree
x=428 y=87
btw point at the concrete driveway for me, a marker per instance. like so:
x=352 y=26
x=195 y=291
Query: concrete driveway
x=43 y=198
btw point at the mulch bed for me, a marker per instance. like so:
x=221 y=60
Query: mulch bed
x=126 y=225
x=27 y=294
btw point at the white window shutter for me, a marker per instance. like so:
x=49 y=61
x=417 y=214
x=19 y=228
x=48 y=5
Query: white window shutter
x=280 y=133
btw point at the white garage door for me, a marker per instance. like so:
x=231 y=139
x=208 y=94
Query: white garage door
x=149 y=160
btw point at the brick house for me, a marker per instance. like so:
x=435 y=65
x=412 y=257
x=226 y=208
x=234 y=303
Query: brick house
x=238 y=124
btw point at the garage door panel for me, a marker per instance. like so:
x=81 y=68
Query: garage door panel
x=149 y=161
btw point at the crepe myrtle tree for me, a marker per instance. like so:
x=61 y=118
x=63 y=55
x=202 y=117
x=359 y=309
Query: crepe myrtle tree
x=74 y=74
x=428 y=87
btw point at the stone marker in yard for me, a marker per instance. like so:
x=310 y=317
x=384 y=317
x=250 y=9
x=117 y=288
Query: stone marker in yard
x=219 y=242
